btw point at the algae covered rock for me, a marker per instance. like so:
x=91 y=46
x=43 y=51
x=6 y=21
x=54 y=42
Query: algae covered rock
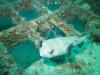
x=94 y=28
x=95 y=4
x=86 y=6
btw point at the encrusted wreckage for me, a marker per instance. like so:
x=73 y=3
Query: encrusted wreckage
x=35 y=29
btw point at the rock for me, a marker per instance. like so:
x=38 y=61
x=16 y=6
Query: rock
x=94 y=28
x=79 y=2
x=95 y=5
x=96 y=35
x=86 y=6
x=59 y=46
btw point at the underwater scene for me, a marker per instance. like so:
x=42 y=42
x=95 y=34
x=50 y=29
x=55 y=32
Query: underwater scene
x=49 y=37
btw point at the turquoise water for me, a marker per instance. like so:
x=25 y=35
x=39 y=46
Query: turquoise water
x=77 y=24
x=6 y=23
x=29 y=14
x=55 y=32
x=53 y=6
x=26 y=54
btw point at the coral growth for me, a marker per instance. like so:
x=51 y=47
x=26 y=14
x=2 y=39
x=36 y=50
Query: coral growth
x=52 y=18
